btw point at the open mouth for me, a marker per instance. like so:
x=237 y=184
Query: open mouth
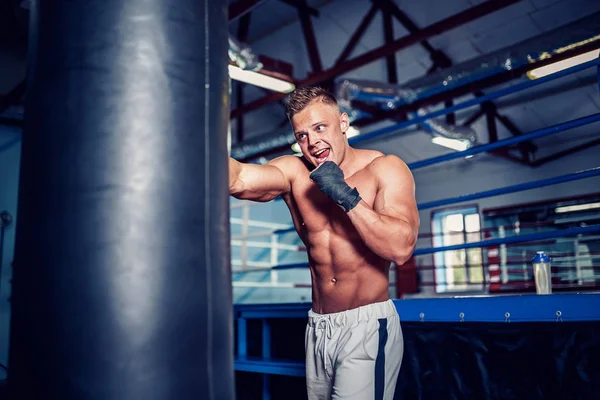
x=322 y=155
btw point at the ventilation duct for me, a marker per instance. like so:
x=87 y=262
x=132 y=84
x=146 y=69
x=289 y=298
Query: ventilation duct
x=583 y=32
x=388 y=97
x=243 y=56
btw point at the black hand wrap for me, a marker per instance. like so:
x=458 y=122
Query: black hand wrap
x=330 y=179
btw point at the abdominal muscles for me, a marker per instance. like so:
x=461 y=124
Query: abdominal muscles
x=345 y=273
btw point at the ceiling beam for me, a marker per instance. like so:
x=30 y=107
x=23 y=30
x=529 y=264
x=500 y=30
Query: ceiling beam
x=566 y=152
x=302 y=5
x=434 y=29
x=309 y=36
x=388 y=34
x=357 y=35
x=242 y=7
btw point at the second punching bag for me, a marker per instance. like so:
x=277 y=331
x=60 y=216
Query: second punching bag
x=122 y=286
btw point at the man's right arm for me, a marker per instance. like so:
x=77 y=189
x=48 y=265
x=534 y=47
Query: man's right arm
x=259 y=182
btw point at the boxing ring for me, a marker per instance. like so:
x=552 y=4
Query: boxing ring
x=122 y=282
x=504 y=342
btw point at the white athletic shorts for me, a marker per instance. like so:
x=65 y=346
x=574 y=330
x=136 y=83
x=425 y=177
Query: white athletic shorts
x=354 y=354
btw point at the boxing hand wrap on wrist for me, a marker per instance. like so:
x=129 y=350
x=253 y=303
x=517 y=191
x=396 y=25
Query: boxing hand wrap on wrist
x=330 y=180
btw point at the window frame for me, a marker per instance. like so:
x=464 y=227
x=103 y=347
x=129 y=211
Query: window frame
x=443 y=287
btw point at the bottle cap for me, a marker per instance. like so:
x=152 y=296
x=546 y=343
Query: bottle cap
x=541 y=257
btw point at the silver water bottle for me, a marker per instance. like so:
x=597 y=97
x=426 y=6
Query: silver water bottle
x=542 y=273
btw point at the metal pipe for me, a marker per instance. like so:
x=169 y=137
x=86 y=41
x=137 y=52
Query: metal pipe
x=475 y=101
x=588 y=173
x=563 y=126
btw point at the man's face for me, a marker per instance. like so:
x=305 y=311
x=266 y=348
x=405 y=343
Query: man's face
x=320 y=132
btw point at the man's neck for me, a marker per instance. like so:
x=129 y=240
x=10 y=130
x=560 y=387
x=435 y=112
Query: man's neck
x=349 y=164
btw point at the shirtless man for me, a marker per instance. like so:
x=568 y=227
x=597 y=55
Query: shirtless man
x=356 y=213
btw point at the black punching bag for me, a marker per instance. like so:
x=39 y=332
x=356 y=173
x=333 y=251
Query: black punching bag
x=122 y=284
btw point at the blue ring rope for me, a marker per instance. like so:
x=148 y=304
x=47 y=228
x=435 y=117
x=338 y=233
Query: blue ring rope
x=532 y=237
x=563 y=126
x=514 y=188
x=496 y=192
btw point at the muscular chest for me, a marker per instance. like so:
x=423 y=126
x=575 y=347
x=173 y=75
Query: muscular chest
x=319 y=213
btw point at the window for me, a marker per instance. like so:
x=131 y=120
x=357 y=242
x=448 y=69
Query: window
x=457 y=270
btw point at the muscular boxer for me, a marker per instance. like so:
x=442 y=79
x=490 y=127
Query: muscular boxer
x=356 y=213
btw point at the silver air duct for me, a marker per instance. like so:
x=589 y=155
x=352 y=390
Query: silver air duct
x=527 y=53
x=388 y=97
x=242 y=55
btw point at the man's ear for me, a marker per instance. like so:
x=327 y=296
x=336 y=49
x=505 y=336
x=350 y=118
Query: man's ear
x=344 y=122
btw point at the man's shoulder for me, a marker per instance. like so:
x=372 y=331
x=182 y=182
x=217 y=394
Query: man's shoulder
x=290 y=165
x=390 y=169
x=382 y=161
x=287 y=161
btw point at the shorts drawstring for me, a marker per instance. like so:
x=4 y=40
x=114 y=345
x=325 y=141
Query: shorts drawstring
x=327 y=333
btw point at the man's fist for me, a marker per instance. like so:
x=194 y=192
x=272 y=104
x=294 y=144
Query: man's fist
x=330 y=179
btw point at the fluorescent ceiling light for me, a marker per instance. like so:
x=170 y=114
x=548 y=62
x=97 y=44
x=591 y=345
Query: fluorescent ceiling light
x=351 y=132
x=564 y=64
x=262 y=80
x=454 y=144
x=577 y=207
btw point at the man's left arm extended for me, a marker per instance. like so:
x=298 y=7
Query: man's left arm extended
x=391 y=226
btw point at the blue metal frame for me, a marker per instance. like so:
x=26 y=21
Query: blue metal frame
x=588 y=173
x=476 y=101
x=563 y=126
x=555 y=308
x=522 y=308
